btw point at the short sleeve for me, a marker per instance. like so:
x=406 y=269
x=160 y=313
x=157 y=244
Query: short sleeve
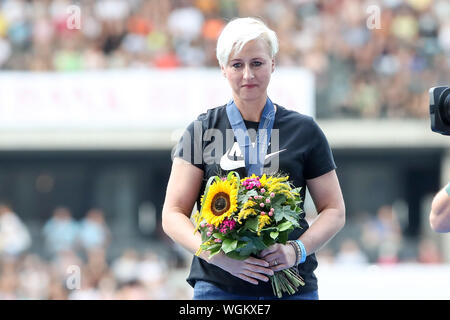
x=190 y=146
x=319 y=159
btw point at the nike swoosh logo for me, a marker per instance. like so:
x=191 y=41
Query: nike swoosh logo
x=227 y=164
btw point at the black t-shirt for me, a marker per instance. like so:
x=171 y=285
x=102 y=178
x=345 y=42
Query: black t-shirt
x=297 y=147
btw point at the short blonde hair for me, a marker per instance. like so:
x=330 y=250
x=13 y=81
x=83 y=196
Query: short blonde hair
x=238 y=32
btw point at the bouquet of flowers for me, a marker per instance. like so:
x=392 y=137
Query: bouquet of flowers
x=241 y=217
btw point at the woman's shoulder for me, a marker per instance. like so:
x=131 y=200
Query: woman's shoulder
x=212 y=114
x=290 y=115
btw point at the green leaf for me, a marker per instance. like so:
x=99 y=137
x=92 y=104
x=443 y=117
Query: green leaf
x=213 y=253
x=296 y=190
x=204 y=236
x=229 y=245
x=253 y=245
x=241 y=244
x=285 y=226
x=267 y=240
x=252 y=224
x=283 y=236
x=269 y=229
x=259 y=244
x=274 y=234
x=278 y=200
x=213 y=247
x=242 y=230
x=218 y=235
x=287 y=213
x=244 y=197
x=248 y=249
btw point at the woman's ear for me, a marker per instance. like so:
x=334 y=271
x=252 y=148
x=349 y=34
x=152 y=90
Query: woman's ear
x=223 y=71
x=273 y=64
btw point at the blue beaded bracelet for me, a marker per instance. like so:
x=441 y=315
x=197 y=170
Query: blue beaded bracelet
x=303 y=250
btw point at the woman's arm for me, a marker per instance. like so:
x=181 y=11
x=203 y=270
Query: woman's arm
x=440 y=211
x=182 y=192
x=327 y=196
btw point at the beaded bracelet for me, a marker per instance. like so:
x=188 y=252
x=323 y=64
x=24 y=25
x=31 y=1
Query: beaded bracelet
x=296 y=250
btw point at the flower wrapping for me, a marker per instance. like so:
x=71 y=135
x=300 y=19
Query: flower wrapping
x=242 y=217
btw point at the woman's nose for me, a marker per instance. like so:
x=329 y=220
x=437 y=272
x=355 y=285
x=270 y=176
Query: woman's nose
x=248 y=73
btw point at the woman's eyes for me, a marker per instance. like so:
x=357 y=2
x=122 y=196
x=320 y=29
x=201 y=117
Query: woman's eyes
x=254 y=64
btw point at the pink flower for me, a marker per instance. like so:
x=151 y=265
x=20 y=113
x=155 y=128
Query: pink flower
x=217 y=240
x=263 y=213
x=263 y=190
x=267 y=200
x=272 y=194
x=209 y=233
x=227 y=225
x=250 y=183
x=270 y=213
x=262 y=204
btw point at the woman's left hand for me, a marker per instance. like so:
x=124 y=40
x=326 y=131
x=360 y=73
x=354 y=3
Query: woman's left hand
x=279 y=256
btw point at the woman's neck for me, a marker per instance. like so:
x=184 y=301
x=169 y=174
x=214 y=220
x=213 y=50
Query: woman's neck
x=251 y=110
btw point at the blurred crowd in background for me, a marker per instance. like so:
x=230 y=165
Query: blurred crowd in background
x=74 y=262
x=366 y=65
x=379 y=239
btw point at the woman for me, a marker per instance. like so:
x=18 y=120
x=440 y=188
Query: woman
x=246 y=52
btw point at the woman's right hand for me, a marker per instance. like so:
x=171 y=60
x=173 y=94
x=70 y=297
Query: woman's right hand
x=250 y=269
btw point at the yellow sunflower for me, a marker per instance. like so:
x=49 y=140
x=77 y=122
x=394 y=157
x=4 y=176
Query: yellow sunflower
x=220 y=202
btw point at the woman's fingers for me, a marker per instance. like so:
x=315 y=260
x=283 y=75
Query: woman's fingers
x=269 y=250
x=279 y=256
x=279 y=267
x=246 y=278
x=258 y=265
x=251 y=269
x=258 y=262
x=274 y=257
x=258 y=269
x=256 y=275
